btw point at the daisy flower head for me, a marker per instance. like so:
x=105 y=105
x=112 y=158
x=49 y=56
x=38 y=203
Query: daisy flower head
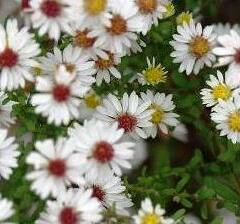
x=75 y=206
x=101 y=144
x=150 y=214
x=8 y=154
x=229 y=49
x=7 y=210
x=162 y=116
x=74 y=61
x=226 y=114
x=131 y=114
x=220 y=88
x=150 y=11
x=6 y=118
x=109 y=190
x=56 y=166
x=50 y=17
x=58 y=96
x=170 y=8
x=17 y=52
x=124 y=25
x=184 y=17
x=153 y=74
x=193 y=47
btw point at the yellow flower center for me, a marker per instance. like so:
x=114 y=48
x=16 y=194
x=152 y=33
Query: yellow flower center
x=95 y=7
x=157 y=115
x=118 y=25
x=184 y=17
x=221 y=91
x=82 y=40
x=170 y=10
x=92 y=101
x=155 y=75
x=199 y=46
x=37 y=71
x=151 y=218
x=234 y=121
x=147 y=6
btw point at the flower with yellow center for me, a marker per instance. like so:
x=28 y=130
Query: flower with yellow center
x=221 y=91
x=92 y=100
x=37 y=71
x=157 y=115
x=151 y=218
x=170 y=10
x=184 y=17
x=95 y=7
x=234 y=121
x=199 y=46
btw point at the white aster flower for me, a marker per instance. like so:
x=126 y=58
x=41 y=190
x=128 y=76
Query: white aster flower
x=150 y=11
x=229 y=49
x=6 y=118
x=76 y=206
x=17 y=50
x=8 y=154
x=109 y=190
x=101 y=144
x=226 y=114
x=220 y=88
x=193 y=47
x=130 y=113
x=50 y=17
x=150 y=214
x=56 y=166
x=58 y=96
x=116 y=37
x=6 y=208
x=162 y=116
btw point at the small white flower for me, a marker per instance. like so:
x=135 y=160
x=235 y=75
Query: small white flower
x=130 y=113
x=76 y=206
x=56 y=166
x=233 y=75
x=150 y=214
x=17 y=50
x=229 y=49
x=180 y=132
x=227 y=116
x=222 y=29
x=58 y=96
x=193 y=47
x=220 y=88
x=101 y=144
x=6 y=208
x=8 y=154
x=109 y=190
x=162 y=115
x=6 y=118
x=50 y=17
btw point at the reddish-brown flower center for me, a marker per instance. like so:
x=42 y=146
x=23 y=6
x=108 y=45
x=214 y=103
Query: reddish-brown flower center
x=118 y=25
x=25 y=4
x=147 y=6
x=57 y=167
x=61 y=93
x=127 y=122
x=103 y=152
x=82 y=40
x=51 y=8
x=98 y=193
x=68 y=216
x=105 y=63
x=237 y=56
x=8 y=58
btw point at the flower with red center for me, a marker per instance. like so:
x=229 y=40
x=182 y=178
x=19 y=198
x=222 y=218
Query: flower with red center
x=98 y=193
x=237 y=56
x=25 y=4
x=57 y=167
x=51 y=8
x=103 y=152
x=61 y=93
x=68 y=216
x=8 y=58
x=127 y=122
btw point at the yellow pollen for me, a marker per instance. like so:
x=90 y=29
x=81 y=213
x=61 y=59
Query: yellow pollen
x=92 y=101
x=70 y=68
x=37 y=71
x=95 y=7
x=105 y=63
x=170 y=10
x=155 y=75
x=199 y=46
x=147 y=6
x=157 y=115
x=82 y=40
x=234 y=121
x=184 y=17
x=151 y=218
x=221 y=91
x=118 y=25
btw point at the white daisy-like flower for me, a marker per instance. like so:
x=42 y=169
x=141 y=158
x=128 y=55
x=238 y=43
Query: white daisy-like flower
x=107 y=67
x=6 y=118
x=58 y=96
x=220 y=88
x=233 y=75
x=222 y=29
x=226 y=114
x=17 y=52
x=101 y=144
x=162 y=115
x=7 y=210
x=229 y=49
x=153 y=74
x=150 y=214
x=116 y=37
x=184 y=17
x=74 y=61
x=130 y=113
x=110 y=191
x=180 y=132
x=76 y=206
x=193 y=47
x=56 y=166
x=8 y=154
x=150 y=11
x=50 y=17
